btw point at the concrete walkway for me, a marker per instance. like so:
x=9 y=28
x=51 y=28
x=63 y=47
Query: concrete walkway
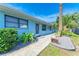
x=32 y=49
x=65 y=43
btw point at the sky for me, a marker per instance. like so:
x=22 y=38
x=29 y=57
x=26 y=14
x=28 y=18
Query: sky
x=45 y=11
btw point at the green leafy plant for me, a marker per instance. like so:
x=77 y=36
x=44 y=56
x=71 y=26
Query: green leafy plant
x=31 y=37
x=27 y=37
x=24 y=38
x=8 y=39
x=69 y=22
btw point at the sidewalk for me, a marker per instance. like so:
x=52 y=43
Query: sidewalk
x=32 y=49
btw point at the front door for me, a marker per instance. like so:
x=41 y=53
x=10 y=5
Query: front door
x=37 y=28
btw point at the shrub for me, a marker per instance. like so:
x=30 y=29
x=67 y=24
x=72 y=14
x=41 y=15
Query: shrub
x=27 y=37
x=69 y=33
x=31 y=37
x=8 y=39
x=24 y=38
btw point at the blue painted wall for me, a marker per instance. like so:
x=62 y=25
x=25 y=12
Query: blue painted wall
x=31 y=26
x=45 y=32
x=1 y=19
x=29 y=29
x=22 y=30
x=76 y=30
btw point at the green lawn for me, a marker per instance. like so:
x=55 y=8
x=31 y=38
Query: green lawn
x=75 y=40
x=51 y=50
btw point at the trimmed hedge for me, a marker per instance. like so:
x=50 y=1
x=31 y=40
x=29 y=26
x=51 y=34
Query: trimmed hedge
x=8 y=39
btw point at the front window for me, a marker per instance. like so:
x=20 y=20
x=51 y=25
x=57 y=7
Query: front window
x=44 y=27
x=23 y=23
x=13 y=22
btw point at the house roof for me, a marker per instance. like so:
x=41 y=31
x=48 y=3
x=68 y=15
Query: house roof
x=17 y=13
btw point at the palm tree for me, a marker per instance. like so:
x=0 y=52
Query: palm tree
x=74 y=21
x=60 y=19
x=66 y=22
x=69 y=23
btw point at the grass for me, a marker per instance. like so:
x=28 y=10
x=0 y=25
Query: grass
x=75 y=40
x=50 y=50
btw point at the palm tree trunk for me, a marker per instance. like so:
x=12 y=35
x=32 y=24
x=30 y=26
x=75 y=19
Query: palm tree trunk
x=60 y=19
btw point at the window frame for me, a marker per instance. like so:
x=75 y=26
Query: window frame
x=50 y=28
x=43 y=27
x=22 y=23
x=18 y=21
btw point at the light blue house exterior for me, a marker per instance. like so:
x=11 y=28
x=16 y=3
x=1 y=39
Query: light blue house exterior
x=13 y=18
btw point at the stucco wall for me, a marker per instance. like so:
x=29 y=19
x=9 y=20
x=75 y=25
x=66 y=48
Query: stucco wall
x=29 y=29
x=76 y=30
x=31 y=26
x=44 y=32
x=1 y=19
